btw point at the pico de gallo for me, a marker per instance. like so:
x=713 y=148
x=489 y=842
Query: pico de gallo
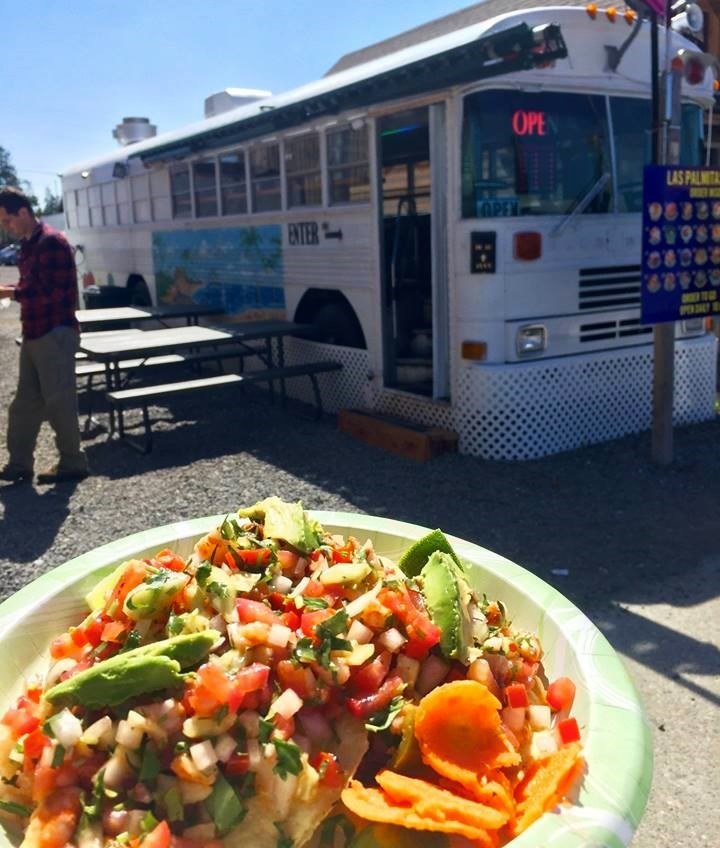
x=283 y=685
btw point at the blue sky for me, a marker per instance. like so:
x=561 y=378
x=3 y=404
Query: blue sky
x=74 y=68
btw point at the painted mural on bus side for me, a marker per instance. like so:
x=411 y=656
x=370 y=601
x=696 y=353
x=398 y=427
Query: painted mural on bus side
x=237 y=269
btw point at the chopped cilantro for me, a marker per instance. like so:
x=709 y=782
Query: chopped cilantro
x=330 y=827
x=173 y=805
x=333 y=626
x=288 y=758
x=175 y=625
x=266 y=730
x=133 y=641
x=149 y=822
x=224 y=806
x=305 y=650
x=383 y=719
x=58 y=756
x=203 y=572
x=16 y=809
x=150 y=766
x=314 y=603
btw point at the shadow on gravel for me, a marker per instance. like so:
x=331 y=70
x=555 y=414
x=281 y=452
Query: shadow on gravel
x=32 y=518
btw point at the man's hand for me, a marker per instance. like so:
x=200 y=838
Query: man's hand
x=7 y=291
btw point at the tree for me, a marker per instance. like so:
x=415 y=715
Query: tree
x=53 y=203
x=8 y=174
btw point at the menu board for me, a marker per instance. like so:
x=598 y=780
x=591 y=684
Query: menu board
x=680 y=243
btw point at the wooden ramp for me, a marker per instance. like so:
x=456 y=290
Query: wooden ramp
x=414 y=441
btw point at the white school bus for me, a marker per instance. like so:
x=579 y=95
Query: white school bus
x=458 y=222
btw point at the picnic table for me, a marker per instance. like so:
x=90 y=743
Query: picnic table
x=114 y=315
x=132 y=351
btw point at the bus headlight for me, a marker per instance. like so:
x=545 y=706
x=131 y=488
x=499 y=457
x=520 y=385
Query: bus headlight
x=692 y=326
x=531 y=338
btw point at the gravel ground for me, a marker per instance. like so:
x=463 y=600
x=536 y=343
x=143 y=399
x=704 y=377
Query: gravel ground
x=639 y=542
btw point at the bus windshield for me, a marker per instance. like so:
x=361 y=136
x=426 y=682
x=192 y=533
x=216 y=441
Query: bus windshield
x=542 y=153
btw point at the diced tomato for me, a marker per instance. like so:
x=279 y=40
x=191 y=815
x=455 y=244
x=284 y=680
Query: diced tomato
x=249 y=611
x=77 y=668
x=457 y=672
x=47 y=779
x=77 y=634
x=367 y=705
x=64 y=646
x=291 y=618
x=33 y=692
x=407 y=607
x=561 y=693
x=516 y=695
x=327 y=766
x=237 y=764
x=568 y=730
x=22 y=718
x=34 y=743
x=314 y=589
x=254 y=557
x=112 y=631
x=94 y=630
x=170 y=560
x=251 y=678
x=368 y=677
x=299 y=678
x=310 y=620
x=159 y=837
x=344 y=554
x=288 y=560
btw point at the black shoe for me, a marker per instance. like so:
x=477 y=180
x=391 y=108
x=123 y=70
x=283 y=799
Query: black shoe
x=60 y=475
x=13 y=474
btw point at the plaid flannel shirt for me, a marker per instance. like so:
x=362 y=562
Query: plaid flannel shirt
x=47 y=291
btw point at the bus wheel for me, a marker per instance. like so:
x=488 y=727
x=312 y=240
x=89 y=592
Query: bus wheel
x=336 y=324
x=138 y=291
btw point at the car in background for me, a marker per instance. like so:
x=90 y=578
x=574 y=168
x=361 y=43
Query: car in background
x=9 y=254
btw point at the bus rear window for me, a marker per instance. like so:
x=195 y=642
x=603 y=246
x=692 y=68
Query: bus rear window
x=529 y=153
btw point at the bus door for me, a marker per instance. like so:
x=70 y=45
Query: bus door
x=413 y=236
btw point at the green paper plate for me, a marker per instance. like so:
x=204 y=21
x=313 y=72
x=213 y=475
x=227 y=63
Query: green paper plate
x=616 y=737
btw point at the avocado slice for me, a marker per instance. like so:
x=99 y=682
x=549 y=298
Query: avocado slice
x=148 y=668
x=415 y=557
x=286 y=521
x=448 y=596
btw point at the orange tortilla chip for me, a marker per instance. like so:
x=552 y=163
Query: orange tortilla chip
x=429 y=801
x=547 y=782
x=460 y=734
x=374 y=805
x=492 y=789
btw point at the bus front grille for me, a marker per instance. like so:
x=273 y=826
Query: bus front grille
x=612 y=287
x=626 y=328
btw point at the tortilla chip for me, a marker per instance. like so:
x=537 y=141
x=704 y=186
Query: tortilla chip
x=375 y=805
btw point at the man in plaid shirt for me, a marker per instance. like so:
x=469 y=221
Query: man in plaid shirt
x=47 y=293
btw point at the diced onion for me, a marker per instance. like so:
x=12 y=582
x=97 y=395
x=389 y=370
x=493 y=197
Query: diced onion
x=128 y=736
x=540 y=716
x=542 y=744
x=354 y=608
x=316 y=726
x=279 y=635
x=300 y=588
x=286 y=704
x=116 y=769
x=98 y=731
x=66 y=728
x=225 y=747
x=432 y=673
x=391 y=640
x=203 y=755
x=408 y=668
x=56 y=671
x=254 y=755
x=359 y=633
x=281 y=583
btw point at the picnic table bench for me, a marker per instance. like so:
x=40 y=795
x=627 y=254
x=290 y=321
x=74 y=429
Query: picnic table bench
x=143 y=396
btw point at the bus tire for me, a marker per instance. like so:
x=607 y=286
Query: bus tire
x=138 y=291
x=337 y=324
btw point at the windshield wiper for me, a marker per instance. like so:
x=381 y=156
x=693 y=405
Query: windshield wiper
x=582 y=204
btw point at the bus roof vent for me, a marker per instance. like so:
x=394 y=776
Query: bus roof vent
x=134 y=129
x=231 y=98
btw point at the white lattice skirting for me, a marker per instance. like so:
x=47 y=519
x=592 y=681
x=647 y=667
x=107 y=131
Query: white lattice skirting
x=525 y=411
x=540 y=408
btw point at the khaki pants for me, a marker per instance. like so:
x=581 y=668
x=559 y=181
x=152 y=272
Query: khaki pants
x=46 y=391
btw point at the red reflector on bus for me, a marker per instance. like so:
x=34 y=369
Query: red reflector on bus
x=527 y=246
x=694 y=71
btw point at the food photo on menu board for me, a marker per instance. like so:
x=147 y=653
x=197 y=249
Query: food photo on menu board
x=680 y=243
